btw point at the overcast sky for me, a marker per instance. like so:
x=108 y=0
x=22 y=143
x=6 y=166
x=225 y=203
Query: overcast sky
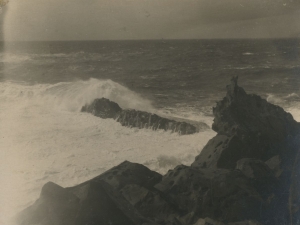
x=150 y=19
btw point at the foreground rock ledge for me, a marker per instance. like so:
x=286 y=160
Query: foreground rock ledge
x=105 y=108
x=248 y=174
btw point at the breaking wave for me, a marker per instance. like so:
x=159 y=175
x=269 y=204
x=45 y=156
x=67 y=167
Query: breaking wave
x=71 y=96
x=45 y=137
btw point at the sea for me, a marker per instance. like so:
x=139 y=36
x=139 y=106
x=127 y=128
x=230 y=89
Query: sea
x=43 y=85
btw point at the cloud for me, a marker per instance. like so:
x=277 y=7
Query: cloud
x=133 y=19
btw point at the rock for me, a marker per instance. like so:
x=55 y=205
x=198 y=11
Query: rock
x=274 y=164
x=124 y=174
x=55 y=206
x=222 y=152
x=243 y=114
x=220 y=194
x=103 y=108
x=101 y=204
x=262 y=177
x=254 y=168
x=294 y=198
x=140 y=119
x=97 y=201
x=151 y=204
x=248 y=127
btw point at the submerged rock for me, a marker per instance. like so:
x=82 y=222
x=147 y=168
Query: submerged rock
x=105 y=108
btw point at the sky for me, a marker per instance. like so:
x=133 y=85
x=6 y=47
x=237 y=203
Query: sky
x=44 y=20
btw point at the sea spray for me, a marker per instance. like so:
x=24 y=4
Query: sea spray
x=45 y=137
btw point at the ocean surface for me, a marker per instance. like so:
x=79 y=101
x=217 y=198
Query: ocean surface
x=43 y=85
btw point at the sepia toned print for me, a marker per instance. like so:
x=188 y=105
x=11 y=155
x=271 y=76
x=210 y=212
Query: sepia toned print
x=139 y=112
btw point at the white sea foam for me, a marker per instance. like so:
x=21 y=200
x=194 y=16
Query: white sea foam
x=44 y=137
x=13 y=58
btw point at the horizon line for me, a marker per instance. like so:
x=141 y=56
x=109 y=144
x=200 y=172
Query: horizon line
x=154 y=39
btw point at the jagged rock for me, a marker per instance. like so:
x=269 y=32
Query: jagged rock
x=124 y=174
x=97 y=201
x=248 y=127
x=254 y=168
x=150 y=203
x=103 y=108
x=294 y=198
x=134 y=118
x=55 y=206
x=222 y=152
x=216 y=193
x=101 y=204
x=261 y=176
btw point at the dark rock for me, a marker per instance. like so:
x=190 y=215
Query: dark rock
x=254 y=168
x=140 y=119
x=243 y=114
x=151 y=204
x=261 y=176
x=124 y=174
x=222 y=152
x=55 y=206
x=294 y=198
x=274 y=164
x=216 y=193
x=248 y=127
x=101 y=204
x=97 y=201
x=103 y=108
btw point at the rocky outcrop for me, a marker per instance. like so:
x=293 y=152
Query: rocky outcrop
x=105 y=108
x=248 y=127
x=261 y=140
x=97 y=201
x=248 y=174
x=140 y=119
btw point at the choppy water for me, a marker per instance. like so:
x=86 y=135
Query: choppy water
x=43 y=85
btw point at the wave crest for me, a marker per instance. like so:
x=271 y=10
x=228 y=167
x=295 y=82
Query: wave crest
x=71 y=96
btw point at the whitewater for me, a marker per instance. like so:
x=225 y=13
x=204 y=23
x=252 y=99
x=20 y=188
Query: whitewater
x=45 y=137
